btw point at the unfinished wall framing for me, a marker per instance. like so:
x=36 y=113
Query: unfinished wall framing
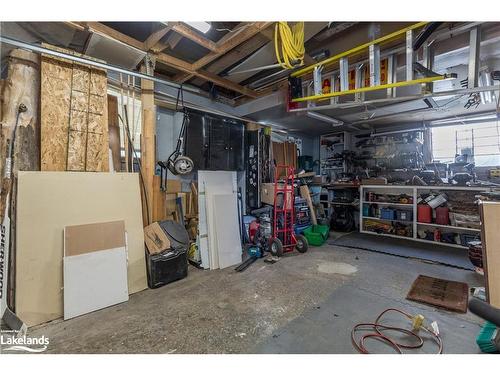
x=74 y=123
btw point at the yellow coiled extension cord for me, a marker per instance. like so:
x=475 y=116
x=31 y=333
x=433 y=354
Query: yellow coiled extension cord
x=292 y=44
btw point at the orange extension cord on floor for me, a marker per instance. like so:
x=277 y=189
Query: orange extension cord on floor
x=397 y=346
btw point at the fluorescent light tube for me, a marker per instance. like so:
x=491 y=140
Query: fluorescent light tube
x=321 y=117
x=200 y=26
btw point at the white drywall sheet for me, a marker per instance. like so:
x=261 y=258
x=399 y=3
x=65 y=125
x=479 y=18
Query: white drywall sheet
x=94 y=280
x=227 y=239
x=217 y=182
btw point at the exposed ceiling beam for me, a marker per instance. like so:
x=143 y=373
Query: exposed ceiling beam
x=172 y=40
x=189 y=33
x=227 y=50
x=225 y=61
x=155 y=37
x=166 y=59
x=110 y=32
x=237 y=54
x=230 y=41
x=187 y=68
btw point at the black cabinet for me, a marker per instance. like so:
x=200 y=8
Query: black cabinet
x=197 y=140
x=214 y=142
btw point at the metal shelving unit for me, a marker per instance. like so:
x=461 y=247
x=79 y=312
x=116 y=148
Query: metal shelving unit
x=341 y=142
x=413 y=191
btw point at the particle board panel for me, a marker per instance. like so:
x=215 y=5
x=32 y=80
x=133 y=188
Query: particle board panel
x=97 y=146
x=50 y=201
x=73 y=98
x=490 y=217
x=55 y=113
x=76 y=150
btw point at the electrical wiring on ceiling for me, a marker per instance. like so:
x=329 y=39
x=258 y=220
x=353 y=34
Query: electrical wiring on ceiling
x=289 y=44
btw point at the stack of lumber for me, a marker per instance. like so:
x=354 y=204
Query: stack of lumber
x=164 y=202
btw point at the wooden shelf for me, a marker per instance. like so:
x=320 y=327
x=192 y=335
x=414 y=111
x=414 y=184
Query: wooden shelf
x=449 y=226
x=415 y=191
x=378 y=218
x=386 y=234
x=389 y=204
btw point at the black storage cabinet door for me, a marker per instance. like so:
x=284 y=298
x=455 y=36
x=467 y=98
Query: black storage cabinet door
x=215 y=142
x=219 y=147
x=236 y=146
x=197 y=140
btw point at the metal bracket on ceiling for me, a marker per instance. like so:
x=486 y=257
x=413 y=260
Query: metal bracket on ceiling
x=426 y=72
x=150 y=64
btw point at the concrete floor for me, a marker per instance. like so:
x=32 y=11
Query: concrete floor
x=305 y=303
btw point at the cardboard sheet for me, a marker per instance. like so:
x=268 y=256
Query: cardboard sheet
x=50 y=201
x=81 y=239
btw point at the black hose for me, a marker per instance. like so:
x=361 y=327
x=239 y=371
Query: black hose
x=485 y=311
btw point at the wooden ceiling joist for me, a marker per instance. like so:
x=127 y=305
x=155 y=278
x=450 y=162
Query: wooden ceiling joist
x=230 y=41
x=192 y=35
x=187 y=69
x=112 y=33
x=224 y=45
x=154 y=38
x=246 y=35
x=230 y=58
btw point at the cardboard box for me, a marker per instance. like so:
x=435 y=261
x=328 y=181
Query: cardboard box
x=156 y=239
x=267 y=194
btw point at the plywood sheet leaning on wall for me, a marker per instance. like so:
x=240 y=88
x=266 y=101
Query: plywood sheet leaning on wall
x=490 y=218
x=50 y=201
x=74 y=123
x=285 y=153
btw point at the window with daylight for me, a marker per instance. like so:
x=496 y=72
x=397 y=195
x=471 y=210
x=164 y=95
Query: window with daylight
x=479 y=140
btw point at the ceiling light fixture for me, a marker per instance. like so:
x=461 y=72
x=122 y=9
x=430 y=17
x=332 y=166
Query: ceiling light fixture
x=200 y=26
x=321 y=117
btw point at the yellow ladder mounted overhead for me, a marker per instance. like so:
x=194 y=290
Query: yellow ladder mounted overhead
x=374 y=68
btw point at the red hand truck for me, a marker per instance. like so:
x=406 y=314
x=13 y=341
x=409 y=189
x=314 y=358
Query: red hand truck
x=284 y=238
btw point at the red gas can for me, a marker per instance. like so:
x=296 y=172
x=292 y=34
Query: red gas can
x=442 y=215
x=424 y=213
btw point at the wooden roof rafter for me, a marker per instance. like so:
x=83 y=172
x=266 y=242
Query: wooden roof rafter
x=169 y=60
x=242 y=33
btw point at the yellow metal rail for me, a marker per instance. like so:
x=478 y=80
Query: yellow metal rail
x=358 y=49
x=371 y=88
